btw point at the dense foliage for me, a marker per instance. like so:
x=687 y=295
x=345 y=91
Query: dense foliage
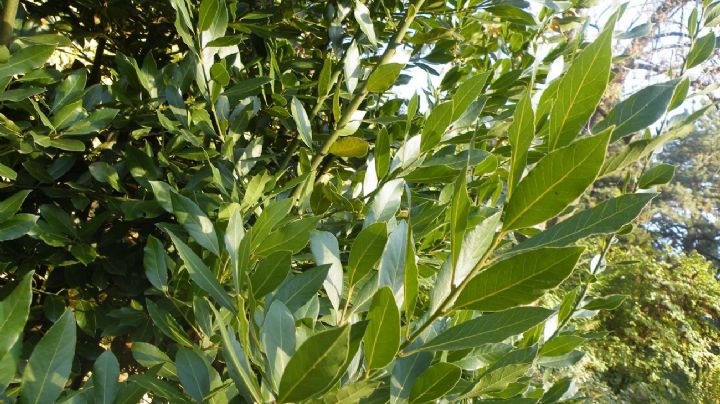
x=664 y=341
x=245 y=212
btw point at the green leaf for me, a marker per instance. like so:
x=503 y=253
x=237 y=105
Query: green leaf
x=404 y=372
x=270 y=273
x=350 y=146
x=519 y=279
x=362 y=16
x=70 y=89
x=638 y=111
x=506 y=370
x=10 y=206
x=605 y=218
x=467 y=92
x=435 y=382
x=383 y=77
x=580 y=89
x=489 y=328
x=610 y=302
x=98 y=120
x=386 y=202
x=324 y=84
x=366 y=251
x=167 y=324
x=155 y=263
x=106 y=372
x=436 y=124
x=20 y=94
x=657 y=175
x=297 y=290
x=349 y=393
x=193 y=374
x=195 y=221
x=325 y=251
x=14 y=310
x=278 y=338
x=476 y=242
x=68 y=145
x=149 y=355
x=557 y=180
x=294 y=237
x=234 y=234
x=561 y=345
x=382 y=336
x=26 y=59
x=209 y=10
x=237 y=362
x=315 y=365
x=702 y=49
x=680 y=94
x=8 y=172
x=201 y=274
x=459 y=212
x=48 y=368
x=17 y=226
x=301 y=121
x=520 y=135
x=392 y=263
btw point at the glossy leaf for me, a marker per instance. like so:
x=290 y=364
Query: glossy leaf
x=657 y=175
x=17 y=226
x=488 y=328
x=270 y=273
x=382 y=336
x=10 y=206
x=610 y=302
x=561 y=345
x=383 y=77
x=638 y=111
x=580 y=89
x=435 y=382
x=700 y=52
x=362 y=16
x=193 y=374
x=436 y=124
x=26 y=59
x=196 y=222
x=14 y=311
x=392 y=262
x=605 y=218
x=302 y=122
x=325 y=250
x=155 y=264
x=520 y=135
x=366 y=251
x=314 y=365
x=278 y=338
x=519 y=279
x=50 y=363
x=557 y=180
x=297 y=290
x=201 y=274
x=106 y=373
x=350 y=146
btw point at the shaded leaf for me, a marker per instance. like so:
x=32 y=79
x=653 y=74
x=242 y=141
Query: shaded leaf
x=382 y=336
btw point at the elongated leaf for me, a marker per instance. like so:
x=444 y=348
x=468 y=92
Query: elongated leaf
x=155 y=264
x=17 y=226
x=638 y=111
x=70 y=89
x=26 y=59
x=315 y=365
x=467 y=92
x=605 y=218
x=351 y=68
x=459 y=212
x=270 y=273
x=301 y=121
x=561 y=345
x=392 y=263
x=383 y=77
x=350 y=146
x=9 y=206
x=297 y=290
x=657 y=175
x=366 y=251
x=292 y=237
x=700 y=52
x=325 y=250
x=278 y=338
x=195 y=221
x=167 y=324
x=14 y=310
x=149 y=355
x=506 y=370
x=435 y=382
x=237 y=362
x=557 y=180
x=382 y=336
x=50 y=363
x=234 y=234
x=405 y=372
x=362 y=16
x=106 y=372
x=611 y=302
x=519 y=279
x=193 y=374
x=476 y=242
x=489 y=328
x=520 y=135
x=208 y=12
x=350 y=393
x=201 y=274
x=580 y=89
x=386 y=202
x=436 y=124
